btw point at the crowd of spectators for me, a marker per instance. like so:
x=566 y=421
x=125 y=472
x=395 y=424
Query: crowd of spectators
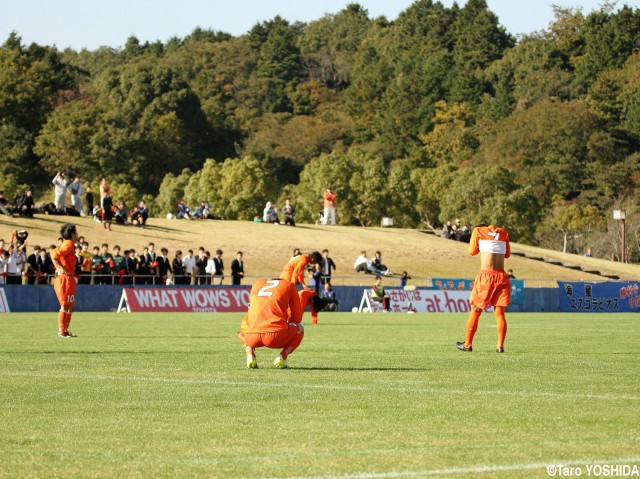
x=101 y=264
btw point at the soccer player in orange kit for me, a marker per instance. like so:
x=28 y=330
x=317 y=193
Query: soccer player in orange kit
x=273 y=321
x=491 y=286
x=294 y=272
x=64 y=284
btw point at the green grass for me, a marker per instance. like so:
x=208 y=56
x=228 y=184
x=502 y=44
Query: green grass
x=368 y=396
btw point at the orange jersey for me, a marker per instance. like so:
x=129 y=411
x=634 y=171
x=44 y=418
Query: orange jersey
x=66 y=255
x=271 y=302
x=489 y=239
x=294 y=270
x=329 y=200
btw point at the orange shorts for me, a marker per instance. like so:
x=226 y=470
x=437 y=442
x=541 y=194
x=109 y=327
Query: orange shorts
x=275 y=340
x=65 y=288
x=491 y=288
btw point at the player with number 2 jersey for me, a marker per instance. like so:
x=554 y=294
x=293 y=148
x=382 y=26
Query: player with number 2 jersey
x=273 y=320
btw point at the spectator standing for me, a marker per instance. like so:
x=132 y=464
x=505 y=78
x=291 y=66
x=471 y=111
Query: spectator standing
x=327 y=266
x=164 y=266
x=201 y=267
x=237 y=269
x=178 y=269
x=88 y=200
x=119 y=265
x=17 y=260
x=404 y=278
x=47 y=269
x=76 y=189
x=289 y=213
x=107 y=265
x=4 y=264
x=131 y=265
x=87 y=260
x=152 y=258
x=189 y=267
x=330 y=204
x=218 y=268
x=60 y=190
x=33 y=265
x=144 y=269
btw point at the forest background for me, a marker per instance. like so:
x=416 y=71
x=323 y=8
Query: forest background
x=436 y=115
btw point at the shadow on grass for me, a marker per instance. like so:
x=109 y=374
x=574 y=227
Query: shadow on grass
x=326 y=368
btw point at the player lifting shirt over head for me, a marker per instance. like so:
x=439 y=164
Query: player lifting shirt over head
x=491 y=286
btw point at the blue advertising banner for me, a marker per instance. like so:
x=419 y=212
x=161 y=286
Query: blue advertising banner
x=608 y=297
x=449 y=284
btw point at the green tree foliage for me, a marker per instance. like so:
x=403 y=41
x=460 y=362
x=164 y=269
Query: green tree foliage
x=236 y=189
x=491 y=195
x=409 y=118
x=278 y=62
x=171 y=190
x=571 y=226
x=329 y=45
x=32 y=80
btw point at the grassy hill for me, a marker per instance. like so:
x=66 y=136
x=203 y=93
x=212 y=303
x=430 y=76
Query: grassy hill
x=268 y=247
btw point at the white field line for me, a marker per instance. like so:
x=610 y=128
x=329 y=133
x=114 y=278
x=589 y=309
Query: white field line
x=473 y=470
x=329 y=387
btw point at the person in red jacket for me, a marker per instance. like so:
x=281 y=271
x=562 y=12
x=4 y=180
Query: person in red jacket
x=330 y=204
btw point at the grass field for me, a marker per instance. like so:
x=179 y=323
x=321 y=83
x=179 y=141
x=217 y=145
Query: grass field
x=368 y=396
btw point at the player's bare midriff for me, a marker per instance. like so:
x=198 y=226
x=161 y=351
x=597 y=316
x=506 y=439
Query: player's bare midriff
x=491 y=261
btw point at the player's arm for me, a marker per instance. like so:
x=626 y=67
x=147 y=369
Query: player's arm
x=508 y=242
x=473 y=244
x=294 y=304
x=298 y=273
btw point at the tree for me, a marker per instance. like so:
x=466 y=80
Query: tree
x=492 y=195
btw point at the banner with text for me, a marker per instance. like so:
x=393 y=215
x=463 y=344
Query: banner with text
x=185 y=300
x=423 y=301
x=608 y=297
x=453 y=284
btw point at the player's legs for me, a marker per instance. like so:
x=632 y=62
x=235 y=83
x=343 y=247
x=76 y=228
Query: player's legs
x=501 y=323
x=64 y=287
x=472 y=326
x=288 y=339
x=305 y=299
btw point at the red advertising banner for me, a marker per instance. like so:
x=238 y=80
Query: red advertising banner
x=184 y=300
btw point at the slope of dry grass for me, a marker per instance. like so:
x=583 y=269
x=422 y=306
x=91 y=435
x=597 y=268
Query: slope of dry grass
x=267 y=247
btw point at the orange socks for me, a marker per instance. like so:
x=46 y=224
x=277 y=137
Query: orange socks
x=501 y=322
x=472 y=326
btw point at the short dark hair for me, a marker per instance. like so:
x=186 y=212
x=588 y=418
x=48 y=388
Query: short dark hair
x=67 y=231
x=218 y=251
x=315 y=257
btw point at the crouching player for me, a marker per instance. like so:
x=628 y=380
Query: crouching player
x=273 y=321
x=64 y=284
x=491 y=286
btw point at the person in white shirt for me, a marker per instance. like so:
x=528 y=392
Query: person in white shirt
x=189 y=262
x=76 y=188
x=15 y=266
x=361 y=262
x=60 y=183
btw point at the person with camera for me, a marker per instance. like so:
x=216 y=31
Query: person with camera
x=60 y=184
